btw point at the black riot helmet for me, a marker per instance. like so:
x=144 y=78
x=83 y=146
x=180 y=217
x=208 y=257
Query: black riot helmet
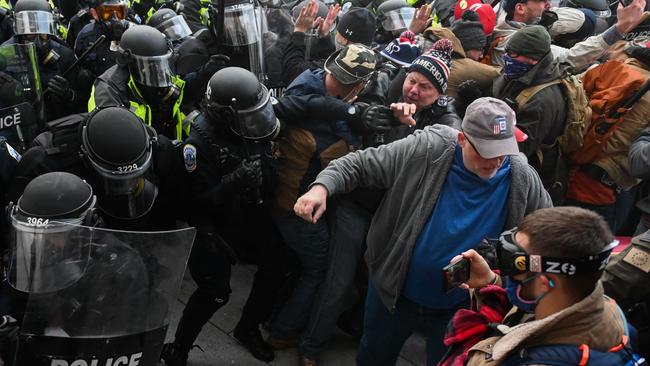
x=33 y=17
x=148 y=55
x=235 y=94
x=43 y=256
x=119 y=148
x=394 y=17
x=172 y=25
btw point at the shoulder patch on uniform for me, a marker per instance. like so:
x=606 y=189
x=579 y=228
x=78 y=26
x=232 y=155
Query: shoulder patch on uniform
x=14 y=154
x=639 y=259
x=189 y=156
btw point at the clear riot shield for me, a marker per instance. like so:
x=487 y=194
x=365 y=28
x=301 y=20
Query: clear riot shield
x=22 y=114
x=96 y=297
x=279 y=29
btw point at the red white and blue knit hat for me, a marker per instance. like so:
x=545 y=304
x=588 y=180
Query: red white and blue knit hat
x=402 y=50
x=435 y=64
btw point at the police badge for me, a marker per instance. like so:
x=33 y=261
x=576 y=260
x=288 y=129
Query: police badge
x=189 y=156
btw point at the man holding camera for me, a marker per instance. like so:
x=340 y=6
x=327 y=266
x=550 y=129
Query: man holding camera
x=551 y=265
x=445 y=190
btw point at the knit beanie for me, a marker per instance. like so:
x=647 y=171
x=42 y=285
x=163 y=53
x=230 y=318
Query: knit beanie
x=357 y=26
x=435 y=64
x=469 y=31
x=402 y=50
x=532 y=41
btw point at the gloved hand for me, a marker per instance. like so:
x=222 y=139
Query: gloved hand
x=469 y=91
x=61 y=88
x=216 y=63
x=11 y=90
x=248 y=173
x=548 y=18
x=375 y=117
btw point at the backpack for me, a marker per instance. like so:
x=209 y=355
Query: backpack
x=572 y=355
x=578 y=117
x=554 y=166
x=63 y=137
x=612 y=88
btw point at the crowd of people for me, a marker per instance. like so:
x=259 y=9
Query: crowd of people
x=351 y=151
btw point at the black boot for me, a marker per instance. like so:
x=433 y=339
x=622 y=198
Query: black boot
x=251 y=338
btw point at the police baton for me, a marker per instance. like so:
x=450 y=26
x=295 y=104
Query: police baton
x=94 y=45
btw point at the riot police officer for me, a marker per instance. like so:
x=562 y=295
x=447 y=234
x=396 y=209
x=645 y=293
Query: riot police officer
x=34 y=23
x=143 y=81
x=117 y=155
x=393 y=17
x=190 y=54
x=172 y=25
x=237 y=32
x=82 y=281
x=109 y=19
x=228 y=159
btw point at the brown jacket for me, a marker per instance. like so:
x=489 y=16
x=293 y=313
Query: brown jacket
x=595 y=321
x=462 y=67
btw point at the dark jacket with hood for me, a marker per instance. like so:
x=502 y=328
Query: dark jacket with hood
x=544 y=115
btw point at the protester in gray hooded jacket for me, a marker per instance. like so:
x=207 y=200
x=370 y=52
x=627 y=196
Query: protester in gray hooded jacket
x=415 y=171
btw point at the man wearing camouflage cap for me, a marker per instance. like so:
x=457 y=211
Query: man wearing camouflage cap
x=445 y=191
x=316 y=132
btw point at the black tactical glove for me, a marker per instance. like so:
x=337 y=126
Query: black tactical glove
x=61 y=88
x=248 y=173
x=11 y=90
x=216 y=63
x=375 y=117
x=468 y=91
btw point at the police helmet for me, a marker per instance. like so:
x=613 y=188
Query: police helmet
x=33 y=17
x=235 y=93
x=119 y=148
x=170 y=24
x=44 y=254
x=394 y=15
x=148 y=55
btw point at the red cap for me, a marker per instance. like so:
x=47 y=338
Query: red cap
x=486 y=14
x=520 y=135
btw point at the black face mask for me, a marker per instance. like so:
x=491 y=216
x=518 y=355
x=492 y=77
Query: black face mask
x=114 y=27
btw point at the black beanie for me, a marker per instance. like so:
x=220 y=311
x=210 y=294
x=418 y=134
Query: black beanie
x=435 y=64
x=357 y=26
x=469 y=31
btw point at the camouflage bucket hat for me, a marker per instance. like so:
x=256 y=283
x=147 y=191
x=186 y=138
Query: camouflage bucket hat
x=352 y=64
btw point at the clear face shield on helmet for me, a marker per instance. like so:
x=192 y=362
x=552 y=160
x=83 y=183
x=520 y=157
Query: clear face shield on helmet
x=34 y=22
x=175 y=28
x=46 y=255
x=126 y=194
x=244 y=25
x=152 y=71
x=255 y=123
x=398 y=20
